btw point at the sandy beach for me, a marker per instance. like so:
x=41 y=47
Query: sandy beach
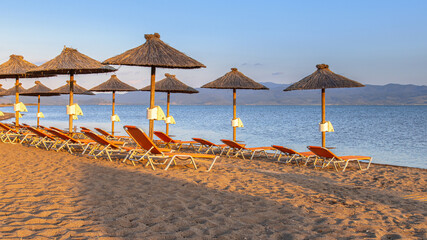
x=49 y=195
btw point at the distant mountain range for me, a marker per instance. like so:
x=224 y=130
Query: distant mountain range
x=390 y=94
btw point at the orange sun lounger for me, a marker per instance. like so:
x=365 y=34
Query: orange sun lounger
x=110 y=136
x=12 y=135
x=69 y=142
x=293 y=155
x=169 y=141
x=105 y=146
x=153 y=152
x=241 y=149
x=329 y=157
x=210 y=146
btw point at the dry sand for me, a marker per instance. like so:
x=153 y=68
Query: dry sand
x=47 y=195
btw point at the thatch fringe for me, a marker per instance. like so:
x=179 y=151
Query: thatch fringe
x=323 y=77
x=39 y=90
x=171 y=84
x=76 y=90
x=235 y=80
x=154 y=53
x=71 y=61
x=113 y=84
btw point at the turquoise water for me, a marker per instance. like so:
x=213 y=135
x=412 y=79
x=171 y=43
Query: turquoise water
x=391 y=134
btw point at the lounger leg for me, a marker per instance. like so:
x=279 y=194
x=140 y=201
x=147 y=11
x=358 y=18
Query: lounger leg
x=213 y=162
x=170 y=162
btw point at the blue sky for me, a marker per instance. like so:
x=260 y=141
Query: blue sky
x=373 y=42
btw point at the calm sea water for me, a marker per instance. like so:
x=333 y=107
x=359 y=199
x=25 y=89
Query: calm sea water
x=391 y=134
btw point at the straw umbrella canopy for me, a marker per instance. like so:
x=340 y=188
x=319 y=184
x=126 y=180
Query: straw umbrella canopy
x=39 y=90
x=6 y=116
x=16 y=67
x=170 y=84
x=234 y=80
x=323 y=78
x=2 y=90
x=71 y=62
x=154 y=53
x=113 y=85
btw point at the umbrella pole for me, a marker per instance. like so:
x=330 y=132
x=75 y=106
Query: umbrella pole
x=114 y=103
x=167 y=112
x=152 y=93
x=70 y=117
x=38 y=111
x=234 y=113
x=323 y=117
x=17 y=101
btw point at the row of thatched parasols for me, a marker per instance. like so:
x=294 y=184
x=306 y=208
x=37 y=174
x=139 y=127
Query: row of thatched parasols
x=154 y=53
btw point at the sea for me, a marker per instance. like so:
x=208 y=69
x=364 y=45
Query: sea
x=394 y=135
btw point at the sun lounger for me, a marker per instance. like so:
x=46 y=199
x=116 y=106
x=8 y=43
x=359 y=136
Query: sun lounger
x=110 y=136
x=172 y=142
x=155 y=153
x=44 y=139
x=329 y=157
x=210 y=146
x=293 y=155
x=240 y=149
x=105 y=146
x=11 y=135
x=68 y=142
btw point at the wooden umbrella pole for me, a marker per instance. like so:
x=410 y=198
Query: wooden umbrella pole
x=167 y=112
x=152 y=93
x=70 y=117
x=323 y=117
x=38 y=111
x=17 y=101
x=234 y=113
x=114 y=104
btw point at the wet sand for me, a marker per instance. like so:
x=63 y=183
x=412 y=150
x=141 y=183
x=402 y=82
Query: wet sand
x=46 y=195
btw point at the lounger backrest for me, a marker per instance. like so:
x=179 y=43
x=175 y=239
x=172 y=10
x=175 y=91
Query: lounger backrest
x=164 y=137
x=7 y=128
x=142 y=139
x=103 y=132
x=322 y=152
x=57 y=129
x=86 y=129
x=99 y=139
x=285 y=150
x=60 y=135
x=40 y=133
x=204 y=142
x=232 y=144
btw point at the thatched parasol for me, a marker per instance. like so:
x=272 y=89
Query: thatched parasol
x=39 y=90
x=234 y=80
x=16 y=67
x=323 y=78
x=77 y=89
x=6 y=116
x=2 y=90
x=170 y=84
x=71 y=62
x=113 y=85
x=154 y=53
x=12 y=91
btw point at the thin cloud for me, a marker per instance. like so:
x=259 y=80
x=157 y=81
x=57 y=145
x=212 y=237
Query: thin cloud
x=277 y=73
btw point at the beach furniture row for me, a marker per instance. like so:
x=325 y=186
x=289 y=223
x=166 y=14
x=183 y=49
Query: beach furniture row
x=138 y=147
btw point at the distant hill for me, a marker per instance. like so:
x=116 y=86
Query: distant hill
x=390 y=94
